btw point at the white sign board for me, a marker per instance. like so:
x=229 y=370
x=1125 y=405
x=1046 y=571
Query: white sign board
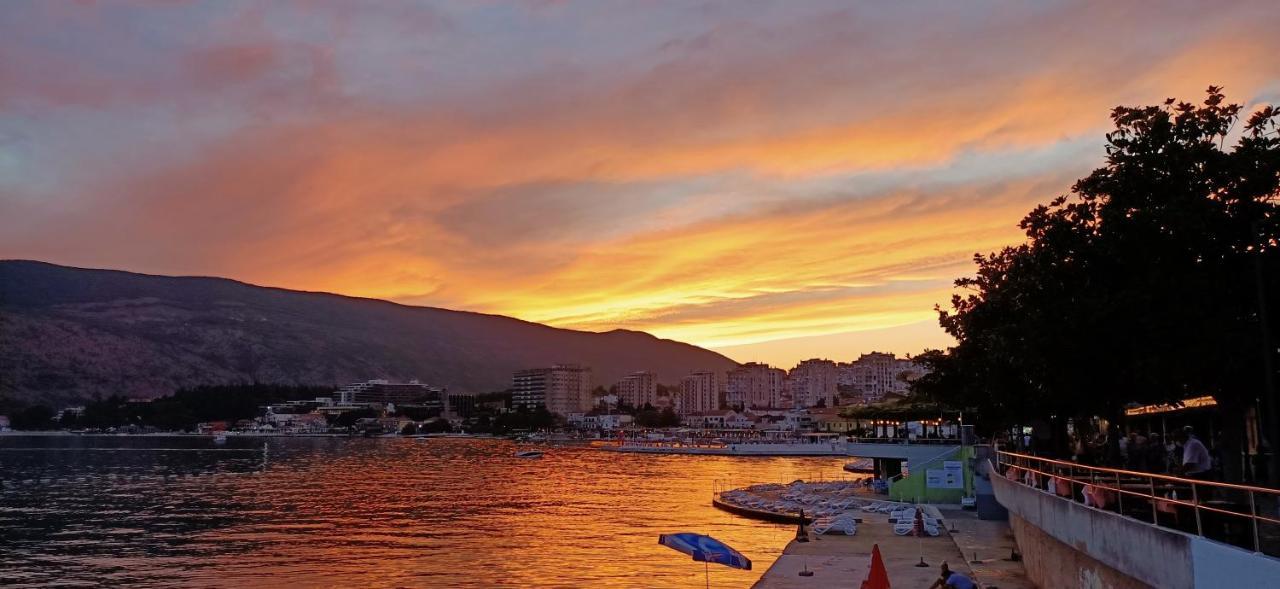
x=950 y=476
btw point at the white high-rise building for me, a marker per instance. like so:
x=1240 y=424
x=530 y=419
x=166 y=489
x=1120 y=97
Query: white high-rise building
x=699 y=393
x=562 y=389
x=756 y=385
x=638 y=389
x=813 y=382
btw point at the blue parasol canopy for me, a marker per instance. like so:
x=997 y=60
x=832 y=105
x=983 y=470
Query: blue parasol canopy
x=704 y=548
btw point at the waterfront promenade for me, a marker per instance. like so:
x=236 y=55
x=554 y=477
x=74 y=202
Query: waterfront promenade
x=739 y=449
x=917 y=451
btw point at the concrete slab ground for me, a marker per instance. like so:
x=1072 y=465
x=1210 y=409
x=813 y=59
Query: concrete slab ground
x=991 y=542
x=843 y=561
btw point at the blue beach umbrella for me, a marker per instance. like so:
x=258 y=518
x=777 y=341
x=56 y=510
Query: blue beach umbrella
x=705 y=549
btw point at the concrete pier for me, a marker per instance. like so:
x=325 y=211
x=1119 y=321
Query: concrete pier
x=743 y=449
x=843 y=561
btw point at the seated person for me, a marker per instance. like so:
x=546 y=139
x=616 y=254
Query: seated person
x=953 y=580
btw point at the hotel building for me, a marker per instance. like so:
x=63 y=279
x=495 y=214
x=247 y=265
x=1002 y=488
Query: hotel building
x=877 y=374
x=382 y=392
x=561 y=389
x=813 y=382
x=699 y=393
x=639 y=389
x=756 y=385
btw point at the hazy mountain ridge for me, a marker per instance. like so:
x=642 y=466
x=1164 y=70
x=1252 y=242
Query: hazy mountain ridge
x=68 y=334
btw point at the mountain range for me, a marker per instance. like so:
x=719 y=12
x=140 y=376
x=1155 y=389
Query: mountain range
x=70 y=334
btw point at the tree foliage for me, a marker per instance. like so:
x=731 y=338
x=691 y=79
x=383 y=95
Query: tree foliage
x=1142 y=284
x=650 y=417
x=524 y=419
x=436 y=426
x=187 y=407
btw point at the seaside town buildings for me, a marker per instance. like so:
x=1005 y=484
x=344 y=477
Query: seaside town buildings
x=756 y=385
x=295 y=422
x=639 y=389
x=562 y=389
x=594 y=421
x=720 y=419
x=813 y=383
x=753 y=395
x=877 y=374
x=699 y=392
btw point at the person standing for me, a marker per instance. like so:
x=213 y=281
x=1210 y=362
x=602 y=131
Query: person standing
x=1196 y=462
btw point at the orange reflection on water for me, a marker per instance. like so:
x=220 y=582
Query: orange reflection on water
x=373 y=513
x=395 y=513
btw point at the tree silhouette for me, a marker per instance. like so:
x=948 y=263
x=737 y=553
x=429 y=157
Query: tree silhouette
x=1147 y=283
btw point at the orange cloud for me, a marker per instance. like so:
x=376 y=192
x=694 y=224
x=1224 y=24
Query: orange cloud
x=756 y=182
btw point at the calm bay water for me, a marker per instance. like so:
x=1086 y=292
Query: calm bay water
x=87 y=511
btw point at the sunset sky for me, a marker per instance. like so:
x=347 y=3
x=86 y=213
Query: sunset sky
x=773 y=180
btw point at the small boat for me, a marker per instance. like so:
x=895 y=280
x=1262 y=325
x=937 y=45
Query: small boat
x=529 y=454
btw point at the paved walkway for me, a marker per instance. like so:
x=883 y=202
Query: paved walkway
x=992 y=543
x=842 y=561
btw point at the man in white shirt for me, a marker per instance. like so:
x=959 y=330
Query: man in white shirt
x=1196 y=462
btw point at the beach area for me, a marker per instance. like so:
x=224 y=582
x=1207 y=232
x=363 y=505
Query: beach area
x=984 y=550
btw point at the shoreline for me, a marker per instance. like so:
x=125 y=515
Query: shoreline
x=817 y=450
x=759 y=514
x=67 y=434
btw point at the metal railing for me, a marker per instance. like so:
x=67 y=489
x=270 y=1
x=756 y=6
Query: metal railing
x=906 y=441
x=1214 y=510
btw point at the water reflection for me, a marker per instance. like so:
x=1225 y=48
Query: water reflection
x=371 y=513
